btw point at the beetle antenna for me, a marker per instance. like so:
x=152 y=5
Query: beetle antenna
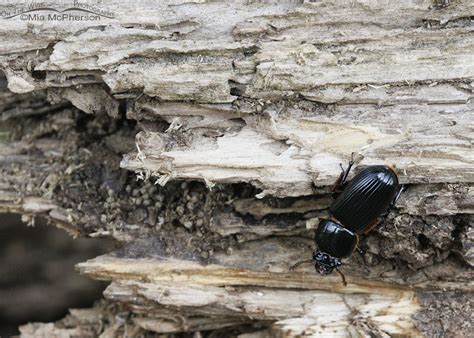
x=294 y=266
x=342 y=277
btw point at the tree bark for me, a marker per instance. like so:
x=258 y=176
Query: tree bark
x=205 y=137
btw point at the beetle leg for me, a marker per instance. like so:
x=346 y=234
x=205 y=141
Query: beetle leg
x=343 y=278
x=392 y=204
x=337 y=186
x=294 y=266
x=342 y=179
x=373 y=225
x=397 y=197
x=359 y=250
x=384 y=216
x=348 y=169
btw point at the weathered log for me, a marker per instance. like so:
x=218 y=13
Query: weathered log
x=253 y=106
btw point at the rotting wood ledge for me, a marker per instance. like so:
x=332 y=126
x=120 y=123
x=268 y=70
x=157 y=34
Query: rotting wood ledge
x=313 y=305
x=279 y=96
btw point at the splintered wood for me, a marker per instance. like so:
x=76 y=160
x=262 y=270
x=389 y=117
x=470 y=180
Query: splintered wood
x=252 y=72
x=297 y=303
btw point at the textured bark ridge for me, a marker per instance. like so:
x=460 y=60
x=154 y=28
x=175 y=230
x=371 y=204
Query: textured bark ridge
x=205 y=136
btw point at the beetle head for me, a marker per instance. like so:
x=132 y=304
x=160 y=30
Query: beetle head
x=324 y=263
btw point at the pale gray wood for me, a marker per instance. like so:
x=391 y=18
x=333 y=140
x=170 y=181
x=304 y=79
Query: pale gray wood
x=275 y=95
x=411 y=72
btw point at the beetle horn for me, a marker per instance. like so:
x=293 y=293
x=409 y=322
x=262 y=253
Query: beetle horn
x=294 y=266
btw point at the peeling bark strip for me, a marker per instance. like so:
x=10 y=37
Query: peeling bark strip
x=269 y=96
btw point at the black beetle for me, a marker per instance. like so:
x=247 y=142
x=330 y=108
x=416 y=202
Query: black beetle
x=363 y=203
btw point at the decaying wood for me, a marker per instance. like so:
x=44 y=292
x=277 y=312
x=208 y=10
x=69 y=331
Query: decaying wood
x=244 y=112
x=378 y=70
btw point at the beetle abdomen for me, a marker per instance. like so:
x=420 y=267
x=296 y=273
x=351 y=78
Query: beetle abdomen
x=333 y=239
x=366 y=197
